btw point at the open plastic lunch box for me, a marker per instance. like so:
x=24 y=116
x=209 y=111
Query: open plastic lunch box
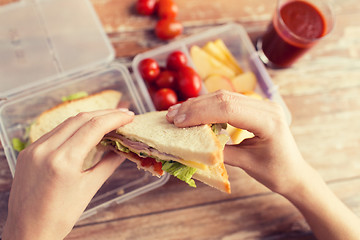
x=53 y=48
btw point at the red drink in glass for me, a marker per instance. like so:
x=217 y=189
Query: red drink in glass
x=297 y=25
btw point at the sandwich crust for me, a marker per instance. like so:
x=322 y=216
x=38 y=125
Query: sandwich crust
x=216 y=176
x=48 y=120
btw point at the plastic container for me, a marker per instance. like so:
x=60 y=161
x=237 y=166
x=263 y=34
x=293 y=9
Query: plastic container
x=43 y=59
x=237 y=41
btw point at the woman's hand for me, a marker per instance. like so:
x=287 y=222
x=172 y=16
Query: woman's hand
x=271 y=157
x=50 y=191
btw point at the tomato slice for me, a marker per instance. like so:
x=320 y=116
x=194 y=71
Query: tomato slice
x=148 y=162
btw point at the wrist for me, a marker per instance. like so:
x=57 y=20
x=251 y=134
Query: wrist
x=306 y=186
x=14 y=230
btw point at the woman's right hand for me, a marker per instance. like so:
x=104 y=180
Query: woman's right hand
x=271 y=157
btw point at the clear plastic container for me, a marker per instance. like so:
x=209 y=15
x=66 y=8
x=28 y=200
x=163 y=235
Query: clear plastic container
x=44 y=59
x=237 y=41
x=53 y=48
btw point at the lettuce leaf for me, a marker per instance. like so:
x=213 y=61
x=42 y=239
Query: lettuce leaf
x=18 y=145
x=176 y=169
x=180 y=171
x=217 y=127
x=116 y=144
x=74 y=96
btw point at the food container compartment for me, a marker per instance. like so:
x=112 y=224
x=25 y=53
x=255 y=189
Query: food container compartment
x=237 y=41
x=48 y=54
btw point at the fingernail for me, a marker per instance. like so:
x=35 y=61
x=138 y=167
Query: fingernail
x=179 y=118
x=126 y=111
x=175 y=107
x=173 y=110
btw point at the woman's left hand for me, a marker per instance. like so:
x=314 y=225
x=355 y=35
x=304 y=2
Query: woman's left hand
x=50 y=191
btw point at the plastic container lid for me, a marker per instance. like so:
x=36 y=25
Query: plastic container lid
x=49 y=48
x=37 y=42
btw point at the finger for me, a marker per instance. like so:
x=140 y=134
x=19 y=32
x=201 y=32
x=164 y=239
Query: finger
x=212 y=107
x=63 y=131
x=91 y=133
x=236 y=109
x=97 y=175
x=235 y=156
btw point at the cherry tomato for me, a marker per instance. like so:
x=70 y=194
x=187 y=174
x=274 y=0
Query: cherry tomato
x=164 y=98
x=167 y=9
x=149 y=69
x=168 y=28
x=152 y=88
x=156 y=10
x=166 y=79
x=146 y=7
x=176 y=60
x=189 y=82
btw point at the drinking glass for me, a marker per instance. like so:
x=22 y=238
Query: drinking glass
x=297 y=25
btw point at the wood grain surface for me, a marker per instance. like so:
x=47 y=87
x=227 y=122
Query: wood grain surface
x=322 y=93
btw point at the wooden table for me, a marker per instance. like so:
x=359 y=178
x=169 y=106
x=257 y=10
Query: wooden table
x=322 y=92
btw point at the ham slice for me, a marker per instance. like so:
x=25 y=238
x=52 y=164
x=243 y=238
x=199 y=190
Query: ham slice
x=142 y=149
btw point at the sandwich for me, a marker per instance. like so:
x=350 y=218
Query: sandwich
x=72 y=105
x=158 y=146
x=150 y=141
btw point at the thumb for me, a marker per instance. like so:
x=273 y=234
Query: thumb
x=235 y=156
x=258 y=117
x=104 y=169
